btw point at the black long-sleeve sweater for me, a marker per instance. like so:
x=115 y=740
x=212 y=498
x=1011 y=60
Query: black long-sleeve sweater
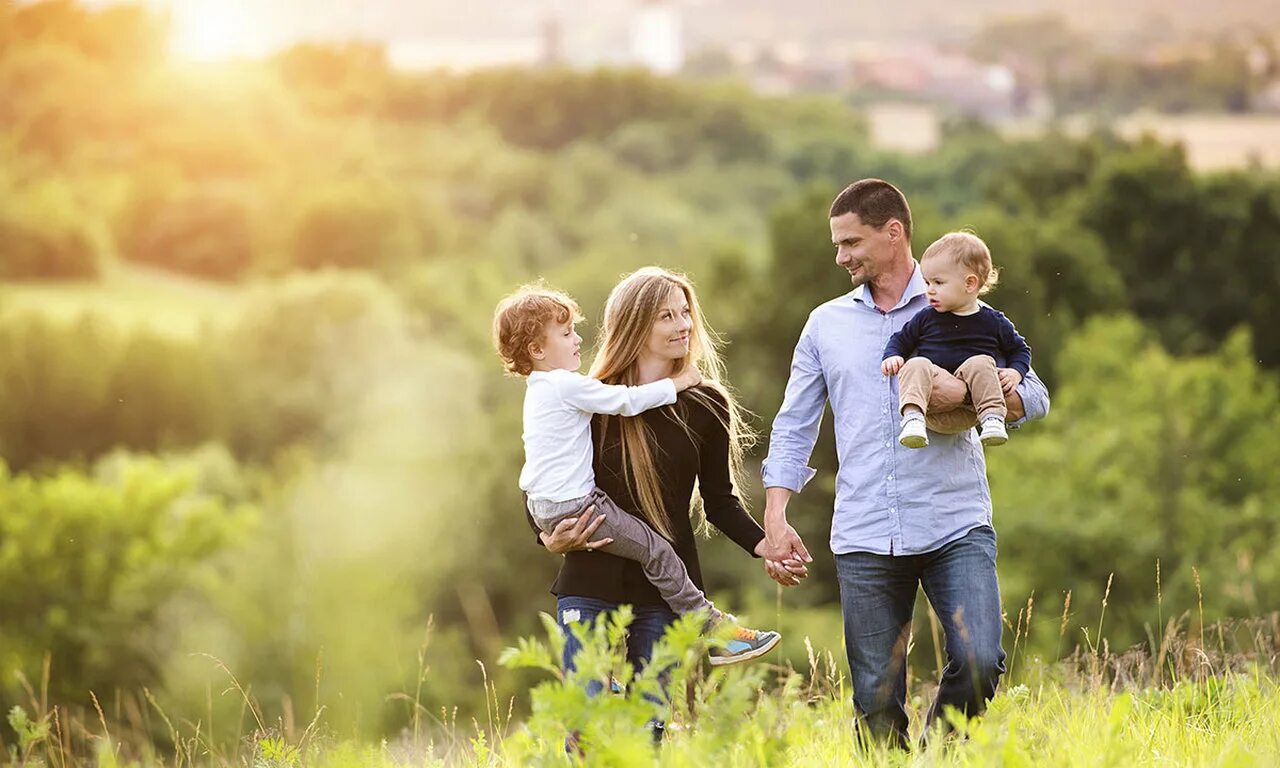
x=680 y=461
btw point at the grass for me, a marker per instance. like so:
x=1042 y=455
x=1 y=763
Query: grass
x=131 y=296
x=1205 y=696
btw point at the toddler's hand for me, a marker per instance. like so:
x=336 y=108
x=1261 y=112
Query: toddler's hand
x=1009 y=380
x=690 y=377
x=891 y=365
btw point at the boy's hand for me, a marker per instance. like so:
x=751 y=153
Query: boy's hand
x=690 y=377
x=1009 y=380
x=892 y=365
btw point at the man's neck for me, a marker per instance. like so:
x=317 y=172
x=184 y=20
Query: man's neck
x=651 y=368
x=887 y=287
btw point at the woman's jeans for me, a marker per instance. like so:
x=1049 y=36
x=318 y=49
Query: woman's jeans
x=650 y=622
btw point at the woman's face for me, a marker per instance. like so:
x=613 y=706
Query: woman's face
x=669 y=337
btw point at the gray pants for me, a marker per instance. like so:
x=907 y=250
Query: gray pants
x=634 y=540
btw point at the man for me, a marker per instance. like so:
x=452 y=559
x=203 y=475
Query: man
x=903 y=518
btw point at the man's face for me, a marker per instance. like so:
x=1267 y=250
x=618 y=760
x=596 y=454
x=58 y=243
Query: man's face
x=861 y=249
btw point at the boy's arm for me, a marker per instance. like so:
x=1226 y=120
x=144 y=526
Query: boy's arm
x=588 y=394
x=1016 y=351
x=905 y=342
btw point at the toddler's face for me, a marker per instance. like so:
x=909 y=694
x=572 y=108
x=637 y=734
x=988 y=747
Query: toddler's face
x=562 y=347
x=950 y=288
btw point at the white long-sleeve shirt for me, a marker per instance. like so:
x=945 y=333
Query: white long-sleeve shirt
x=557 y=428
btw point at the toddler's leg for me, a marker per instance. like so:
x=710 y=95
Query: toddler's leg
x=979 y=374
x=635 y=540
x=915 y=384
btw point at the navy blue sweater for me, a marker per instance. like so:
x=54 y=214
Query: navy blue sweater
x=948 y=339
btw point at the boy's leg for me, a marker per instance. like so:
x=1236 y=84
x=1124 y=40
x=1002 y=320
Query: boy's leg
x=918 y=387
x=915 y=384
x=979 y=374
x=635 y=540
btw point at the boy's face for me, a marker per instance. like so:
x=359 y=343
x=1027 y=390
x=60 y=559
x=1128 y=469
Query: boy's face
x=949 y=287
x=561 y=349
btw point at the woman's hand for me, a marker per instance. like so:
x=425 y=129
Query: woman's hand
x=574 y=533
x=788 y=573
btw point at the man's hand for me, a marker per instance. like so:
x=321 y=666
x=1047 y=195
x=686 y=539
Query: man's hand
x=892 y=365
x=689 y=377
x=574 y=533
x=781 y=542
x=1009 y=380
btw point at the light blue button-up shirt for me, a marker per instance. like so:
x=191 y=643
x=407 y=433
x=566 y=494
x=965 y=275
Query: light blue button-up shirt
x=889 y=499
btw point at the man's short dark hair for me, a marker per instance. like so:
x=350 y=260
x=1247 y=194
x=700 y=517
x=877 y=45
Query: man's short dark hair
x=875 y=201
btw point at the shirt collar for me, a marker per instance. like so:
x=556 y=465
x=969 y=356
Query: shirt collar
x=915 y=287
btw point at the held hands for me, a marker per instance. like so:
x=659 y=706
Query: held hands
x=1009 y=380
x=784 y=554
x=892 y=365
x=574 y=533
x=689 y=377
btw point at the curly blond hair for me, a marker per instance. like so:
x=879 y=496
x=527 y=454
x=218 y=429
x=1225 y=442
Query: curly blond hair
x=522 y=319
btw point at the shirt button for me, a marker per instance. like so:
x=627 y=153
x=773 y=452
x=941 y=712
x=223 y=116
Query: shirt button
x=890 y=478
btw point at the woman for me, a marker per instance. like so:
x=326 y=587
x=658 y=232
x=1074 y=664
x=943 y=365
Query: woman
x=653 y=329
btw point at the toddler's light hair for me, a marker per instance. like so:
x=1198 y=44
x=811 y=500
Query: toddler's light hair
x=966 y=250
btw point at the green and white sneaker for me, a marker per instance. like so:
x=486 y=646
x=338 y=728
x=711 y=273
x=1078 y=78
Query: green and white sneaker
x=913 y=434
x=744 y=644
x=993 y=432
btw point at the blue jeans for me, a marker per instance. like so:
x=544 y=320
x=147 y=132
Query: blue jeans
x=878 y=594
x=648 y=626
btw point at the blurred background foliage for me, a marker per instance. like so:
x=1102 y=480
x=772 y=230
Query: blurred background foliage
x=248 y=406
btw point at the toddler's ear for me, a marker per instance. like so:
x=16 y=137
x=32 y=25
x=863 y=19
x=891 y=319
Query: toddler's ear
x=971 y=282
x=536 y=351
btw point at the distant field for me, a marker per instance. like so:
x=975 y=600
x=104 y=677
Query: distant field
x=1213 y=141
x=129 y=296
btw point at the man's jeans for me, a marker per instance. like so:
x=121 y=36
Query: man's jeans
x=878 y=593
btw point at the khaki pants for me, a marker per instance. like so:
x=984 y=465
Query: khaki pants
x=978 y=373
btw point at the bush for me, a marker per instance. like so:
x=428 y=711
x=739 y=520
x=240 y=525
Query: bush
x=44 y=234
x=88 y=563
x=353 y=227
x=204 y=232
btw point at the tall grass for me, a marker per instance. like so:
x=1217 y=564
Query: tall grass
x=1198 y=695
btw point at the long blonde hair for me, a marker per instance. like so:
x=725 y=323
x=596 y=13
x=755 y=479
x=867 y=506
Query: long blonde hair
x=629 y=316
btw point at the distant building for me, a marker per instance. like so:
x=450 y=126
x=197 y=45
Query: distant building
x=656 y=40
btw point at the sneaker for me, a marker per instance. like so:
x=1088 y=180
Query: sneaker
x=993 y=432
x=744 y=644
x=913 y=433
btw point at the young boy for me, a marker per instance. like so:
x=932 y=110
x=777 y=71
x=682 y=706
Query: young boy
x=961 y=336
x=533 y=331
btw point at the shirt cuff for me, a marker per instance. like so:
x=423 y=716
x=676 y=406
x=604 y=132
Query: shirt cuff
x=790 y=476
x=1035 y=403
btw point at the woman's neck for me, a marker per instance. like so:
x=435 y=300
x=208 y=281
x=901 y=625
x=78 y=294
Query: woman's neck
x=651 y=368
